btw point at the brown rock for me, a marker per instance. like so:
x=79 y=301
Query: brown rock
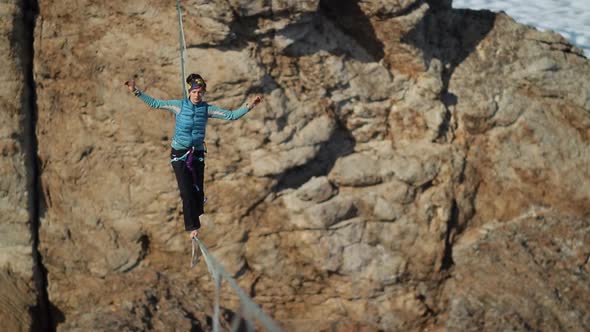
x=19 y=305
x=392 y=135
x=512 y=276
x=16 y=299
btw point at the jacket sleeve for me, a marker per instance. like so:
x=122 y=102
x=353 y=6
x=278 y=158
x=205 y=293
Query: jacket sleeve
x=219 y=113
x=172 y=106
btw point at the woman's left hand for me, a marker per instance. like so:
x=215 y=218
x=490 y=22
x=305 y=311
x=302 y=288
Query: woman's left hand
x=256 y=101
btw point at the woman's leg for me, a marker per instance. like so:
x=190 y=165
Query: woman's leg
x=192 y=201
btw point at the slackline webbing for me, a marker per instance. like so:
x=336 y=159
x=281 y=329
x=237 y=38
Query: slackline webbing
x=250 y=310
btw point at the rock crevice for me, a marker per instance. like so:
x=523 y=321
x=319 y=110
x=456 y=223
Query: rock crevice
x=41 y=314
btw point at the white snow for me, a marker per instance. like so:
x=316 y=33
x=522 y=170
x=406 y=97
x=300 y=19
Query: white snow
x=570 y=18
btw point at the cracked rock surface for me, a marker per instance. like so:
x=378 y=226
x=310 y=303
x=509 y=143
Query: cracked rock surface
x=410 y=167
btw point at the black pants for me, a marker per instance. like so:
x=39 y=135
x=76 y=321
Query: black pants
x=190 y=184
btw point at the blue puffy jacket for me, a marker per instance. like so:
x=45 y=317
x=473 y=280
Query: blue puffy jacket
x=191 y=119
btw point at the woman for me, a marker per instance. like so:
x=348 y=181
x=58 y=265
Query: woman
x=188 y=142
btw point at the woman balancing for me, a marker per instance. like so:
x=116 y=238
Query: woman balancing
x=188 y=148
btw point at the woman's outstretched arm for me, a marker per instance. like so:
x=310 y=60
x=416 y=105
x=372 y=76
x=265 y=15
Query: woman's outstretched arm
x=172 y=106
x=219 y=113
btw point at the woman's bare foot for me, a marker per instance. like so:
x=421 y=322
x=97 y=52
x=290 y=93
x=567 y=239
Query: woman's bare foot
x=194 y=233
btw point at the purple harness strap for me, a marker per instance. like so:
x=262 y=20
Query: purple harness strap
x=190 y=158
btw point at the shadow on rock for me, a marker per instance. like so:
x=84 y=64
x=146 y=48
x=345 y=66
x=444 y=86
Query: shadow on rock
x=348 y=16
x=450 y=35
x=313 y=32
x=340 y=144
x=50 y=323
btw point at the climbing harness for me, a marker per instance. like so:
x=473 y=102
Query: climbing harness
x=183 y=157
x=188 y=157
x=249 y=309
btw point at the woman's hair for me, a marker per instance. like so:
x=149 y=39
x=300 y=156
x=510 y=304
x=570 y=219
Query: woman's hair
x=195 y=79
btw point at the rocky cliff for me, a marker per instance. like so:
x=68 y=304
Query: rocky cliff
x=23 y=296
x=412 y=167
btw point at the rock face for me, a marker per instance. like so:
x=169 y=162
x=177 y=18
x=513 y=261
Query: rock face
x=411 y=167
x=512 y=276
x=18 y=287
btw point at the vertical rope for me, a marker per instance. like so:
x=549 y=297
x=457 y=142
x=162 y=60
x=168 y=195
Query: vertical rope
x=182 y=48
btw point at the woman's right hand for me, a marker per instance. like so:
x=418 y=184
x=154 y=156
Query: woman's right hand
x=130 y=85
x=255 y=102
